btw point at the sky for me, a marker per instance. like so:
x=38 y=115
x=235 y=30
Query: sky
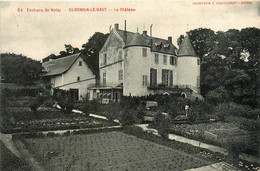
x=39 y=34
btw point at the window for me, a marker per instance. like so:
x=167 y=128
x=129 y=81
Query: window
x=167 y=77
x=165 y=59
x=120 y=64
x=78 y=78
x=173 y=60
x=105 y=59
x=198 y=61
x=120 y=75
x=144 y=52
x=120 y=55
x=125 y=54
x=144 y=80
x=153 y=77
x=80 y=63
x=104 y=78
x=156 y=58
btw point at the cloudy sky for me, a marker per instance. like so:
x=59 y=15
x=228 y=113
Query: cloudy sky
x=38 y=34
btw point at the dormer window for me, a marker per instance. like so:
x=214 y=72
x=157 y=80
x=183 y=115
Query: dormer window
x=158 y=45
x=166 y=45
x=80 y=63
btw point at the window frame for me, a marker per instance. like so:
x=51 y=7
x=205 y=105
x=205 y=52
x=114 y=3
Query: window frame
x=144 y=52
x=104 y=78
x=165 y=59
x=120 y=75
x=144 y=80
x=80 y=63
x=156 y=58
x=105 y=59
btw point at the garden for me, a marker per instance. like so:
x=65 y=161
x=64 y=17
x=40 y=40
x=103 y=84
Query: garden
x=108 y=151
x=38 y=113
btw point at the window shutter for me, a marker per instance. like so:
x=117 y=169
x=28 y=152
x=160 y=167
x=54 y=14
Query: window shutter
x=171 y=78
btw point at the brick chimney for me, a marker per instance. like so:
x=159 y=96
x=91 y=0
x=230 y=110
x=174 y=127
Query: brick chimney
x=116 y=26
x=170 y=39
x=144 y=33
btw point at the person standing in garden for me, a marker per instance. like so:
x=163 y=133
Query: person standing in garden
x=187 y=108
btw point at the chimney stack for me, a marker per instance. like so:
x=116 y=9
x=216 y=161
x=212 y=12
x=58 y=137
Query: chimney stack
x=116 y=26
x=151 y=30
x=144 y=33
x=170 y=39
x=125 y=33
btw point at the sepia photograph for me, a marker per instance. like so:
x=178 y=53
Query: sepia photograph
x=137 y=85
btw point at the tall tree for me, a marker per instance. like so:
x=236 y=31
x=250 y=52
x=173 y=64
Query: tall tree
x=19 y=69
x=91 y=49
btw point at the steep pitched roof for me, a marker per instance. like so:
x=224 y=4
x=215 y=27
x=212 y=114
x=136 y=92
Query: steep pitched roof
x=61 y=65
x=137 y=40
x=156 y=44
x=186 y=48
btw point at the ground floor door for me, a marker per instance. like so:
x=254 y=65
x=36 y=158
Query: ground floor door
x=74 y=94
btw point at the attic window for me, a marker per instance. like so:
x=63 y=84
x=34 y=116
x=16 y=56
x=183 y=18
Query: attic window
x=80 y=63
x=78 y=78
x=158 y=44
x=166 y=45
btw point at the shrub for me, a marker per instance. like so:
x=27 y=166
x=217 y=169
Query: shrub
x=48 y=102
x=164 y=127
x=64 y=100
x=89 y=106
x=34 y=105
x=224 y=109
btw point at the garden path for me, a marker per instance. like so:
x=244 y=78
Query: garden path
x=186 y=140
x=9 y=144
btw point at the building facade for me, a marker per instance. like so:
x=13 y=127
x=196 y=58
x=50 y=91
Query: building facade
x=134 y=64
x=70 y=73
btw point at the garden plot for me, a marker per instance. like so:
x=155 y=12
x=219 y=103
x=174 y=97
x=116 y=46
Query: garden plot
x=108 y=151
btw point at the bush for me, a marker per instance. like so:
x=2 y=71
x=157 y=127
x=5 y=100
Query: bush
x=34 y=105
x=89 y=106
x=48 y=102
x=164 y=127
x=64 y=100
x=224 y=109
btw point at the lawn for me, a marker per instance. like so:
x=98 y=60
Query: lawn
x=108 y=151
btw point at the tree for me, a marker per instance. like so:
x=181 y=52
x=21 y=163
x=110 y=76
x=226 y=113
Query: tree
x=230 y=62
x=19 y=69
x=91 y=49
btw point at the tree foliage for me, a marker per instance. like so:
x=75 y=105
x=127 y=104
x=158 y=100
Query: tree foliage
x=19 y=69
x=230 y=62
x=91 y=49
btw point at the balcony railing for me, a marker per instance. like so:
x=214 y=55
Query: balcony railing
x=177 y=86
x=108 y=84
